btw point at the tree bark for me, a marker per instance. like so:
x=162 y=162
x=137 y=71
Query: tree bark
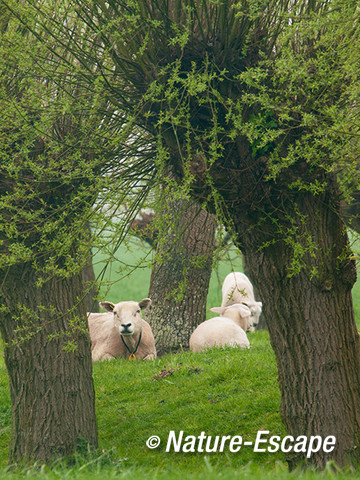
x=312 y=329
x=180 y=281
x=52 y=392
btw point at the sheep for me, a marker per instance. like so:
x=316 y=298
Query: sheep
x=237 y=288
x=229 y=329
x=121 y=333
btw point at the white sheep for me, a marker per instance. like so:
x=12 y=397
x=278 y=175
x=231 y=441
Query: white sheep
x=237 y=288
x=122 y=332
x=229 y=329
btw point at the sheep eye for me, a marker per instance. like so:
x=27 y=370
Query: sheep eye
x=138 y=311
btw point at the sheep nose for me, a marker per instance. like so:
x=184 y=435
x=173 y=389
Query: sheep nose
x=126 y=325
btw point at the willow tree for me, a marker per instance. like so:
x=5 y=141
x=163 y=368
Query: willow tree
x=250 y=102
x=42 y=313
x=182 y=269
x=54 y=175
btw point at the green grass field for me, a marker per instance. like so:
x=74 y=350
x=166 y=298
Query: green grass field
x=219 y=392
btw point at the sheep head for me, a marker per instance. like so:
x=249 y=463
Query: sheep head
x=238 y=312
x=127 y=315
x=255 y=309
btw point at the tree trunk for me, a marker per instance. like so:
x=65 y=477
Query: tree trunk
x=180 y=281
x=312 y=328
x=52 y=392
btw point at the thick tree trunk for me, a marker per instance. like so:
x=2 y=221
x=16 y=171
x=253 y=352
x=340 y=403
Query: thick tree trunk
x=180 y=281
x=52 y=392
x=312 y=328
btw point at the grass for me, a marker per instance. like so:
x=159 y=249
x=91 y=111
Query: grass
x=219 y=392
x=222 y=392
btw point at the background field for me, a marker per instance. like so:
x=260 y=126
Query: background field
x=127 y=277
x=220 y=392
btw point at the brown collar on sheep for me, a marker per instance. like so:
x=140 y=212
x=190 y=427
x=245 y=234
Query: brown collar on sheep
x=132 y=354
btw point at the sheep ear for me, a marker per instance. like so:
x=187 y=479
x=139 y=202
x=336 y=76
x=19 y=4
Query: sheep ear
x=219 y=310
x=244 y=311
x=108 y=306
x=145 y=303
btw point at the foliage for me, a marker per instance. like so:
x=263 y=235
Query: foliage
x=56 y=171
x=265 y=90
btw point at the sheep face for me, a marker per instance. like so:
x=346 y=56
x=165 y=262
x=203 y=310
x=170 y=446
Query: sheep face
x=255 y=309
x=127 y=315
